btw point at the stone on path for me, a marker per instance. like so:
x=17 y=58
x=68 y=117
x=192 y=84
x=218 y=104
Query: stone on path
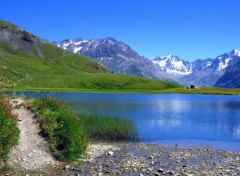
x=32 y=151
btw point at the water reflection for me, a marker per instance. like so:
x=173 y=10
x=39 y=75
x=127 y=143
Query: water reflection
x=236 y=131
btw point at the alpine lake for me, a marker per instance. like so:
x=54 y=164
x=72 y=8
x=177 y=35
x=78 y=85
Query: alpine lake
x=183 y=119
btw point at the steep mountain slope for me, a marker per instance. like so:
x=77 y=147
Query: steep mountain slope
x=30 y=62
x=116 y=56
x=201 y=72
x=207 y=72
x=231 y=78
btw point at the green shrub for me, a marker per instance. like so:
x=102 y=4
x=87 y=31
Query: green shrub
x=9 y=132
x=66 y=135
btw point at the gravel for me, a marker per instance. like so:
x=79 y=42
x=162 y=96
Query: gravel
x=149 y=159
x=155 y=159
x=32 y=151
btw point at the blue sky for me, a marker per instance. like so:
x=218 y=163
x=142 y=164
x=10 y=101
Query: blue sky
x=190 y=29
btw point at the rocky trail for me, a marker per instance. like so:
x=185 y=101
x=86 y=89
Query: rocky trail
x=32 y=151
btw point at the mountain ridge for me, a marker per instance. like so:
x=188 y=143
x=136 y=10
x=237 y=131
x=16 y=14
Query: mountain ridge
x=116 y=56
x=28 y=61
x=113 y=53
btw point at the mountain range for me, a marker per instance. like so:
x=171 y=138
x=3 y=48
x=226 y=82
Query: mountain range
x=116 y=56
x=222 y=71
x=30 y=62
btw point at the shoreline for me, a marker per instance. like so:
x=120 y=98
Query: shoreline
x=116 y=91
x=218 y=145
x=131 y=158
x=126 y=158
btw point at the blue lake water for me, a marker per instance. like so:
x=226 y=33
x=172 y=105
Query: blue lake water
x=167 y=118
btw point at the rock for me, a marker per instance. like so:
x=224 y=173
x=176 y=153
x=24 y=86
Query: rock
x=160 y=170
x=107 y=172
x=110 y=153
x=66 y=167
x=169 y=172
x=16 y=102
x=150 y=157
x=149 y=169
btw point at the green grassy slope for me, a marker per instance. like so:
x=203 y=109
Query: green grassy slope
x=39 y=64
x=72 y=71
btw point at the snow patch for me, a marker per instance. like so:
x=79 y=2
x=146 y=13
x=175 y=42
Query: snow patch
x=65 y=45
x=179 y=65
x=236 y=52
x=222 y=65
x=178 y=72
x=77 y=49
x=161 y=63
x=209 y=64
x=77 y=43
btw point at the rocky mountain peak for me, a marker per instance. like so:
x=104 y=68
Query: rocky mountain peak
x=169 y=56
x=173 y=64
x=121 y=58
x=116 y=56
x=235 y=52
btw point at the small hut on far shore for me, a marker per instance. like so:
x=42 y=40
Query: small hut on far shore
x=192 y=86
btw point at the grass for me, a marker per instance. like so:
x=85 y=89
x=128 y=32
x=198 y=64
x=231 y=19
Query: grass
x=58 y=68
x=9 y=132
x=5 y=23
x=108 y=128
x=62 y=128
x=68 y=72
x=204 y=90
x=68 y=133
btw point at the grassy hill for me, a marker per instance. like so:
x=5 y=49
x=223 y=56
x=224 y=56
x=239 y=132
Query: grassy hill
x=27 y=61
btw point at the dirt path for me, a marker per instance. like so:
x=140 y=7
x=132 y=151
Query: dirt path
x=32 y=151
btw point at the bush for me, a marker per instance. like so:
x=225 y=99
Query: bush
x=62 y=128
x=9 y=132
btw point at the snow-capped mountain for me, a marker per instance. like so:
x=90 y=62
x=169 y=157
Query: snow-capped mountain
x=116 y=56
x=208 y=71
x=231 y=77
x=72 y=45
x=201 y=72
x=173 y=65
x=120 y=58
